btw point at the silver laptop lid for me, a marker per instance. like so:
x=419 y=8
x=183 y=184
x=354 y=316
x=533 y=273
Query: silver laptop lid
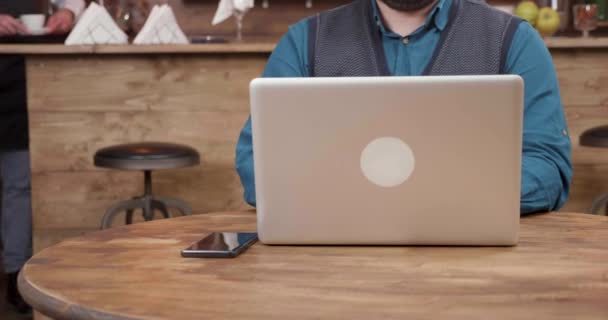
x=392 y=160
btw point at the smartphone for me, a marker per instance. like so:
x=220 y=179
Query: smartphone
x=221 y=245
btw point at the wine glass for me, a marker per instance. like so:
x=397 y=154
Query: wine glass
x=585 y=18
x=139 y=12
x=123 y=15
x=239 y=15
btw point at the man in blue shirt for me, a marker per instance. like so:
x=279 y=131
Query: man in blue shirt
x=410 y=31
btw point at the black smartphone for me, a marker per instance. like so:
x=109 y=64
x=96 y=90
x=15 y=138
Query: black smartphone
x=221 y=245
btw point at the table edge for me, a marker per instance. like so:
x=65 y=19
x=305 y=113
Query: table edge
x=57 y=309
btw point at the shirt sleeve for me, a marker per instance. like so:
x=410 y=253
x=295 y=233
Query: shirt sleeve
x=76 y=6
x=287 y=60
x=546 y=163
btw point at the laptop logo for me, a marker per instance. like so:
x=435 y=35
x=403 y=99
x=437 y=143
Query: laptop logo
x=387 y=162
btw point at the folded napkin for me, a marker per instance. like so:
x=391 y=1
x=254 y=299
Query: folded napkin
x=161 y=28
x=226 y=8
x=96 y=26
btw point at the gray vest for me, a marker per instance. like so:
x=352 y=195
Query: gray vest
x=346 y=41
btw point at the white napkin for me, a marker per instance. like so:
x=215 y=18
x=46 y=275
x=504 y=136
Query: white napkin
x=225 y=9
x=161 y=28
x=96 y=26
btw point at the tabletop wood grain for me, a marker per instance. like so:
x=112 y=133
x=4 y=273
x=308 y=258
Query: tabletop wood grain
x=558 y=271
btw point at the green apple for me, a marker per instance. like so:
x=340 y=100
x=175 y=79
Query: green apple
x=548 y=21
x=527 y=10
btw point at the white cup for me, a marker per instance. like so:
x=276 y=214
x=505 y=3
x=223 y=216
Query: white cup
x=33 y=22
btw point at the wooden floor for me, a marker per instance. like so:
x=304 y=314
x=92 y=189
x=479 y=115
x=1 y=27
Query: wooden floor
x=6 y=312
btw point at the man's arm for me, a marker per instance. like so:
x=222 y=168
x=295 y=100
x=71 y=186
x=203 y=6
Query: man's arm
x=75 y=6
x=287 y=60
x=63 y=20
x=546 y=165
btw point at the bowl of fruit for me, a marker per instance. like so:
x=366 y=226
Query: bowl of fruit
x=546 y=20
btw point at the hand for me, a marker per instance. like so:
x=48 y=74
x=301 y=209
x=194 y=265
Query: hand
x=10 y=26
x=61 y=22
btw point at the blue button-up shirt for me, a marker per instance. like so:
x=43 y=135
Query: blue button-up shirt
x=546 y=166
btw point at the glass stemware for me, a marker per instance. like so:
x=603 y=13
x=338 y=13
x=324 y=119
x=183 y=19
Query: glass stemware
x=585 y=18
x=239 y=15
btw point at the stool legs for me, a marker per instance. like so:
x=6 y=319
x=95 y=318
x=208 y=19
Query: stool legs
x=155 y=206
x=128 y=217
x=133 y=204
x=148 y=213
x=147 y=203
x=160 y=206
x=180 y=205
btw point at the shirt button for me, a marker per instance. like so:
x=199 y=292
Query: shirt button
x=405 y=40
x=564 y=132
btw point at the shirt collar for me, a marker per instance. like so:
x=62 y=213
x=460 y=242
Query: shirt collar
x=438 y=17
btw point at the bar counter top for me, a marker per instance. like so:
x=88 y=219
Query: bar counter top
x=245 y=47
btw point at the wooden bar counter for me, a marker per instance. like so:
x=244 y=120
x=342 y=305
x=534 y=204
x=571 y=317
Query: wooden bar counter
x=83 y=98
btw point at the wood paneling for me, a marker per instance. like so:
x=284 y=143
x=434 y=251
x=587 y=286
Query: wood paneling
x=132 y=83
x=558 y=271
x=576 y=42
x=80 y=104
x=212 y=133
x=80 y=198
x=583 y=78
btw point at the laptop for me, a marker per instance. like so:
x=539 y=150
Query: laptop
x=388 y=160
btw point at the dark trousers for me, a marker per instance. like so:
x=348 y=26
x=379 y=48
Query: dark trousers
x=16 y=209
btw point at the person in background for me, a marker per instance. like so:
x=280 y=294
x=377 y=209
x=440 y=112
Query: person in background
x=435 y=37
x=14 y=155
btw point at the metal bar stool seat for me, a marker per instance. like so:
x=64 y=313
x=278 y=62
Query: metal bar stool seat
x=596 y=137
x=146 y=157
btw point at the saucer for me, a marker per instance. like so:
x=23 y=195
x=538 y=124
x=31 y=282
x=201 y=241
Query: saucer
x=36 y=32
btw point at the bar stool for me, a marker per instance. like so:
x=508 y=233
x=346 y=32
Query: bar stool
x=596 y=137
x=146 y=157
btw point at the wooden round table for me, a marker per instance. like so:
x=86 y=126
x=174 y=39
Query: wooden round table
x=558 y=271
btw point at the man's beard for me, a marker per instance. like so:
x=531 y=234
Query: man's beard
x=407 y=5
